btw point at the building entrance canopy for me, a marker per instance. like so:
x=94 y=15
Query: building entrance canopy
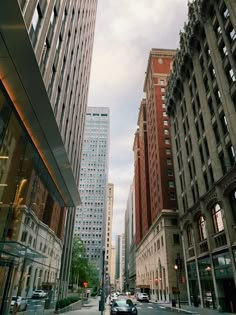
x=18 y=250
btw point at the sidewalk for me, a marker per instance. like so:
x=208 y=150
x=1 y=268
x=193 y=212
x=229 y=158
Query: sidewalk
x=90 y=308
x=188 y=309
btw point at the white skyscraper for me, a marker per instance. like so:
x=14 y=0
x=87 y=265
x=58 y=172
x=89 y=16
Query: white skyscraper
x=90 y=221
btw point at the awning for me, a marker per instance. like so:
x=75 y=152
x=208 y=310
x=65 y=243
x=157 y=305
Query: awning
x=19 y=250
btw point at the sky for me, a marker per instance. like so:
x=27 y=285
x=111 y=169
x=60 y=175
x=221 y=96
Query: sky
x=126 y=31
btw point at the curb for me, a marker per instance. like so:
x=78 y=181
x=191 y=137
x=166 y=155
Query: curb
x=177 y=310
x=174 y=309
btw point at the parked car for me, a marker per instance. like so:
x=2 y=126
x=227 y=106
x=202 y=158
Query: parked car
x=21 y=303
x=143 y=297
x=39 y=294
x=123 y=306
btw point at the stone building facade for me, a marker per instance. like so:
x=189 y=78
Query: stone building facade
x=201 y=103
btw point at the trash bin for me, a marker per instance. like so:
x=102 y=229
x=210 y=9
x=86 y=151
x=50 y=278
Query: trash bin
x=173 y=303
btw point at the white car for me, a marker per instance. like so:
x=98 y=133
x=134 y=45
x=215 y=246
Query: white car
x=39 y=294
x=143 y=297
x=21 y=303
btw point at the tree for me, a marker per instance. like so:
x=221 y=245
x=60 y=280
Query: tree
x=79 y=263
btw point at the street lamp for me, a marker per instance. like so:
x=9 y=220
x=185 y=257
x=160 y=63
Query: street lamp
x=177 y=283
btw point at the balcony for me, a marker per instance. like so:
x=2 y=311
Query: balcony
x=220 y=239
x=203 y=246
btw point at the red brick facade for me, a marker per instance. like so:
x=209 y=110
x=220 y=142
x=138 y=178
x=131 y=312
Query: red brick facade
x=154 y=174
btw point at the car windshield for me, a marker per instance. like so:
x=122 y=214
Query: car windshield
x=38 y=291
x=123 y=303
x=14 y=298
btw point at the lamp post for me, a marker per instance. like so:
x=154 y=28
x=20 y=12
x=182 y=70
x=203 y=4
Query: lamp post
x=177 y=283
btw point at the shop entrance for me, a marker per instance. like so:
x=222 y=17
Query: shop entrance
x=230 y=294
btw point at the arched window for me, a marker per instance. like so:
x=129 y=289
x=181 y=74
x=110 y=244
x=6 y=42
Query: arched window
x=189 y=236
x=202 y=228
x=217 y=218
x=232 y=197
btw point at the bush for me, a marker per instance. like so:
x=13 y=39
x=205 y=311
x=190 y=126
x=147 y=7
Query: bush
x=67 y=301
x=94 y=293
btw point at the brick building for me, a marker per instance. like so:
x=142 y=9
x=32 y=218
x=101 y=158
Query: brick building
x=157 y=232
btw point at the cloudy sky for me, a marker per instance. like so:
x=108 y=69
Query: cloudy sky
x=126 y=30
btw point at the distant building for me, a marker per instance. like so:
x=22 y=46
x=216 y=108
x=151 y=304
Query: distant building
x=120 y=262
x=110 y=199
x=158 y=244
x=130 y=243
x=201 y=103
x=113 y=267
x=90 y=220
x=47 y=48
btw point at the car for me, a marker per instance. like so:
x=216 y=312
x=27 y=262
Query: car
x=39 y=294
x=113 y=298
x=20 y=302
x=123 y=306
x=143 y=297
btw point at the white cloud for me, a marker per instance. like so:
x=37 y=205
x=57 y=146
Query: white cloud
x=126 y=30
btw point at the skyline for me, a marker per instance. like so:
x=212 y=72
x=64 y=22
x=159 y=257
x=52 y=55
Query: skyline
x=124 y=36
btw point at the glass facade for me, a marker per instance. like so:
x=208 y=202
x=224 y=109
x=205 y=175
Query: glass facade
x=32 y=213
x=90 y=221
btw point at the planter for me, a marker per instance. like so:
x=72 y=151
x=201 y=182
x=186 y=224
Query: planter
x=72 y=307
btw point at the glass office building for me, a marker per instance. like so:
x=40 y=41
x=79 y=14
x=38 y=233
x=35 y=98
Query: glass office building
x=90 y=221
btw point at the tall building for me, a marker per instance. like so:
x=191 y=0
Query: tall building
x=113 y=268
x=90 y=222
x=120 y=262
x=158 y=246
x=130 y=243
x=108 y=231
x=46 y=50
x=201 y=103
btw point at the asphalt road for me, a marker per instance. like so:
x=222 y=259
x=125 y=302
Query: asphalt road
x=143 y=309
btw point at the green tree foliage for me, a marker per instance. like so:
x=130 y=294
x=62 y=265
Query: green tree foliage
x=82 y=270
x=79 y=263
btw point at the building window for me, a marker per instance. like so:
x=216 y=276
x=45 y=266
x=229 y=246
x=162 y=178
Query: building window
x=162 y=82
x=172 y=196
x=232 y=198
x=170 y=172
x=202 y=228
x=36 y=18
x=169 y=162
x=176 y=239
x=216 y=212
x=168 y=151
x=164 y=114
x=231 y=154
x=167 y=141
x=162 y=90
x=165 y=122
x=171 y=184
x=189 y=236
x=166 y=131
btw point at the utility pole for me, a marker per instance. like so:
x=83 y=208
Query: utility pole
x=102 y=300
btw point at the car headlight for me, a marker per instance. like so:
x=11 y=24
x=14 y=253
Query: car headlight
x=133 y=310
